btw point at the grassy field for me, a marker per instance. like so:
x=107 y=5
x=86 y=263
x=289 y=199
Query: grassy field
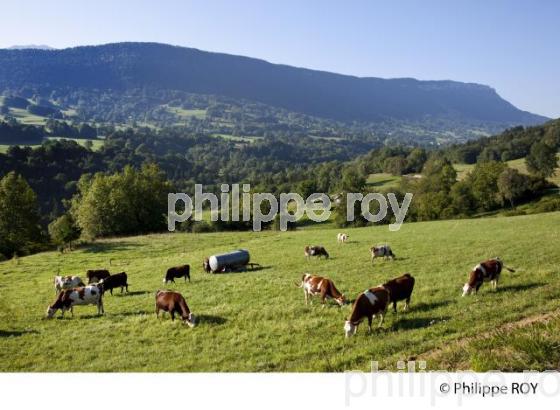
x=383 y=180
x=97 y=144
x=518 y=164
x=257 y=321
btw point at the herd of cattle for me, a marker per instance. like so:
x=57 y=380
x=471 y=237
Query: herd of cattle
x=71 y=291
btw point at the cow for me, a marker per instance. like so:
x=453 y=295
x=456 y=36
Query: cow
x=487 y=271
x=177 y=272
x=342 y=238
x=400 y=289
x=66 y=282
x=382 y=250
x=315 y=251
x=118 y=280
x=95 y=275
x=85 y=295
x=317 y=285
x=368 y=304
x=174 y=302
x=206 y=265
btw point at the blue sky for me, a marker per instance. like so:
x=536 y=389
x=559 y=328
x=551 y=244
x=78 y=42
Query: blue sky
x=513 y=46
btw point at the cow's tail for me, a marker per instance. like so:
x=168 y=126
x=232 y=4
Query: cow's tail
x=509 y=269
x=298 y=285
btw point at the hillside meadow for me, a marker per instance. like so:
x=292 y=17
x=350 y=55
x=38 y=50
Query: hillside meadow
x=257 y=320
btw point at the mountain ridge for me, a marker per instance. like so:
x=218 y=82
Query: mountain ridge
x=314 y=92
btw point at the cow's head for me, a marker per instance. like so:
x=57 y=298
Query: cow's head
x=341 y=300
x=467 y=289
x=350 y=328
x=50 y=312
x=190 y=320
x=471 y=283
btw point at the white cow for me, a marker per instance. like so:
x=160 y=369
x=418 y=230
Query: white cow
x=86 y=295
x=66 y=282
x=342 y=237
x=381 y=251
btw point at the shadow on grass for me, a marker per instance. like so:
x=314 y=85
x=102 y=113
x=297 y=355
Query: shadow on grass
x=416 y=323
x=133 y=293
x=110 y=246
x=17 y=333
x=133 y=313
x=210 y=319
x=520 y=287
x=424 y=307
x=254 y=269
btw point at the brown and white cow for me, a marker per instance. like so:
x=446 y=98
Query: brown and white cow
x=315 y=251
x=95 y=275
x=85 y=295
x=487 y=271
x=369 y=303
x=67 y=282
x=174 y=302
x=381 y=251
x=400 y=289
x=177 y=272
x=342 y=238
x=314 y=285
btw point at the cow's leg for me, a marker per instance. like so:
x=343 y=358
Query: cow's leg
x=407 y=304
x=382 y=314
x=323 y=297
x=111 y=290
x=157 y=312
x=369 y=320
x=395 y=306
x=172 y=313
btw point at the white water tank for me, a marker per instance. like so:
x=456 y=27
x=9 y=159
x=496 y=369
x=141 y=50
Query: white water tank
x=231 y=260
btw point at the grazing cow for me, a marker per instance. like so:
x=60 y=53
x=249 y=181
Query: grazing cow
x=315 y=251
x=85 y=295
x=316 y=285
x=66 y=282
x=118 y=280
x=368 y=304
x=95 y=275
x=342 y=238
x=174 y=302
x=178 y=272
x=382 y=251
x=400 y=289
x=487 y=271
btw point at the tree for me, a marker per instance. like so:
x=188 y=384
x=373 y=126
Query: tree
x=63 y=231
x=19 y=216
x=438 y=175
x=541 y=160
x=511 y=185
x=126 y=203
x=394 y=165
x=416 y=159
x=483 y=180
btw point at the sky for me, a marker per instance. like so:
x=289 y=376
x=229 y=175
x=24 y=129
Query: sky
x=510 y=45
